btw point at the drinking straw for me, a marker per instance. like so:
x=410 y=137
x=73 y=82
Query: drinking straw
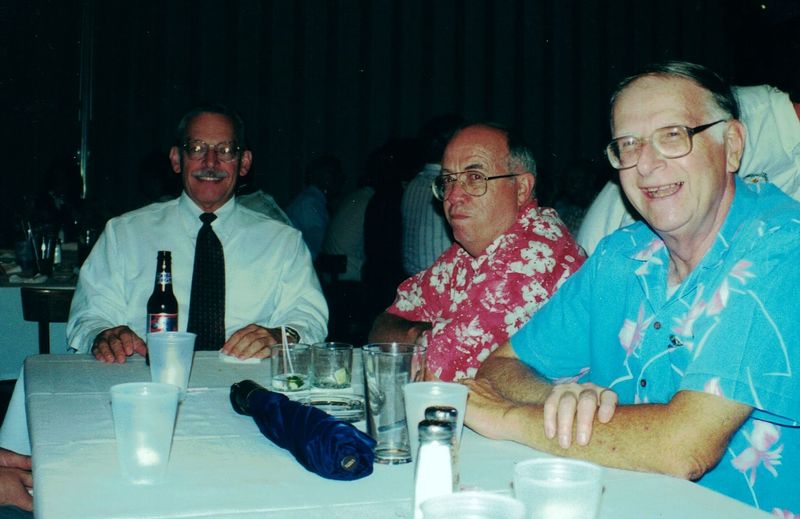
x=286 y=355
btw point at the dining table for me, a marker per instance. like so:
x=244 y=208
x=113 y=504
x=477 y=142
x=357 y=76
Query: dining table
x=221 y=466
x=20 y=338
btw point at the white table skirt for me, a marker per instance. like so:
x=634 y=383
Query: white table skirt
x=222 y=467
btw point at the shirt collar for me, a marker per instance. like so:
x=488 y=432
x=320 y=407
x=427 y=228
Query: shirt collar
x=737 y=215
x=528 y=211
x=190 y=213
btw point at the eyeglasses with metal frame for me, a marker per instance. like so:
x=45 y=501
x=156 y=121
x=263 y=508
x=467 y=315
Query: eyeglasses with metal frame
x=225 y=151
x=474 y=182
x=671 y=142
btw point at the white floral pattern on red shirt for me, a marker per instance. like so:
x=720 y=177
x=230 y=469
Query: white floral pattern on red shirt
x=474 y=304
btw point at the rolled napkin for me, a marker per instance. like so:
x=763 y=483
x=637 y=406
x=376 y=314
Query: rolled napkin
x=322 y=444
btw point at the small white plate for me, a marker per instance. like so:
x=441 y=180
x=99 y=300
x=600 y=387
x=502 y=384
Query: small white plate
x=347 y=408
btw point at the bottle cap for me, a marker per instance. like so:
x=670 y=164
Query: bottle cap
x=434 y=430
x=441 y=413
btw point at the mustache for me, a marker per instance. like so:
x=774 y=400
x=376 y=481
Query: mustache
x=209 y=174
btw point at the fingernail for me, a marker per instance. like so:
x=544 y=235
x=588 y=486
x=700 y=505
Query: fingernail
x=550 y=432
x=563 y=441
x=583 y=438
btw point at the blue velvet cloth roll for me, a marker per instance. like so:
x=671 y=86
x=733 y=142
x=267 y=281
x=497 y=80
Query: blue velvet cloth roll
x=322 y=444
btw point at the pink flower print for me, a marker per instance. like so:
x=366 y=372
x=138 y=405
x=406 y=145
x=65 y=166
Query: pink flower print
x=647 y=253
x=712 y=387
x=685 y=325
x=631 y=334
x=740 y=272
x=784 y=514
x=762 y=438
x=574 y=378
x=719 y=300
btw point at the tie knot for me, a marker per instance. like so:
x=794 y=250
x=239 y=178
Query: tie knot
x=207 y=218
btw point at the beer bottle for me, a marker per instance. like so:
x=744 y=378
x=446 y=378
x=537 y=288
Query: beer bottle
x=162 y=307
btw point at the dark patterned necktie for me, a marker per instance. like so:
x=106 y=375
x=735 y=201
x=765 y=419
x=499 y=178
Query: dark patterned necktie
x=207 y=304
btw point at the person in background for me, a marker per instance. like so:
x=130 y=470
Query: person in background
x=425 y=231
x=269 y=280
x=771 y=154
x=16 y=482
x=309 y=210
x=686 y=319
x=391 y=167
x=576 y=187
x=509 y=256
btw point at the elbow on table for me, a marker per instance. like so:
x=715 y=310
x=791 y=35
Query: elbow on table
x=688 y=464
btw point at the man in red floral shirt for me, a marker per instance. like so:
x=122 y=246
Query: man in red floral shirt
x=510 y=255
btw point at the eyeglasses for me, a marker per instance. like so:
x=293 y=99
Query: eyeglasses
x=474 y=183
x=671 y=142
x=225 y=151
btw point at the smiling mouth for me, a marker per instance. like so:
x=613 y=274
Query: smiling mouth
x=662 y=191
x=209 y=176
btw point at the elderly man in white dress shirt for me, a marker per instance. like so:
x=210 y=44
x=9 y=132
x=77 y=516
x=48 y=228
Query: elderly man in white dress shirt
x=269 y=277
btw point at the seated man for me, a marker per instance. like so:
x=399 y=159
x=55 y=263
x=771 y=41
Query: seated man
x=771 y=154
x=510 y=255
x=688 y=318
x=268 y=276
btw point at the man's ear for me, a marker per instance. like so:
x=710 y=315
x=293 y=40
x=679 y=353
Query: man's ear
x=525 y=184
x=734 y=145
x=245 y=162
x=175 y=159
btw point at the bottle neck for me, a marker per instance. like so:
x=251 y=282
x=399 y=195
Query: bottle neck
x=164 y=276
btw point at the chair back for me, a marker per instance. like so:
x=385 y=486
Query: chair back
x=44 y=306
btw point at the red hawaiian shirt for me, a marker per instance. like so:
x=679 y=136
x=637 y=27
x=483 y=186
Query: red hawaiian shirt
x=475 y=304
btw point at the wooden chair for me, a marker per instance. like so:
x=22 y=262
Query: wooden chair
x=44 y=306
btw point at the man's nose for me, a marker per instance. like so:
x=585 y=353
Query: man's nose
x=211 y=157
x=649 y=159
x=456 y=191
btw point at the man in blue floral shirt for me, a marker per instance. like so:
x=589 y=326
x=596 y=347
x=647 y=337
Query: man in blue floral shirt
x=687 y=320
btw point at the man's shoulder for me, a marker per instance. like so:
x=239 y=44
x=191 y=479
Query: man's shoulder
x=154 y=211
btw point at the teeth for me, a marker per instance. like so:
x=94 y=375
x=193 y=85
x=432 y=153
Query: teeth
x=663 y=191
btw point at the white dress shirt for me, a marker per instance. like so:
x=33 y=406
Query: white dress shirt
x=269 y=277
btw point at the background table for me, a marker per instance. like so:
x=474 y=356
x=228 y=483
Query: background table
x=222 y=467
x=20 y=338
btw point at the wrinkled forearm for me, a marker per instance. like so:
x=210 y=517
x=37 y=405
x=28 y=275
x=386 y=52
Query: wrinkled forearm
x=513 y=379
x=680 y=439
x=391 y=328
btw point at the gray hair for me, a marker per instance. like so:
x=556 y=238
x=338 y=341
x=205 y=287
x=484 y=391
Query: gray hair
x=722 y=97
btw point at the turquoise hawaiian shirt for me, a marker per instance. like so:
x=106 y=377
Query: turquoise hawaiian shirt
x=732 y=329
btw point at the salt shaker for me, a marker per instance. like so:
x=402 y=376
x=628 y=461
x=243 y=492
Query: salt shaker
x=434 y=471
x=447 y=414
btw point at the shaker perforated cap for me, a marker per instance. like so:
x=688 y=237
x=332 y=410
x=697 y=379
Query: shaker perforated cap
x=441 y=413
x=435 y=430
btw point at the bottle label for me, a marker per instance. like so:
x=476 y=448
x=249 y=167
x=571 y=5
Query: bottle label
x=164 y=278
x=162 y=323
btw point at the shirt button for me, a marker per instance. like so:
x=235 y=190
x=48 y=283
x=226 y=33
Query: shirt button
x=643 y=382
x=657 y=325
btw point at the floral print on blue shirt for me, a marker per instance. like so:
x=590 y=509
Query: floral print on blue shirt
x=732 y=329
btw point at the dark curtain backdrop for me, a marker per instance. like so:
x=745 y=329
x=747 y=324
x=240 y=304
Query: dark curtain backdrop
x=337 y=77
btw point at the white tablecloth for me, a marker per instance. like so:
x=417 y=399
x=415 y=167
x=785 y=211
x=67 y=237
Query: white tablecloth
x=222 y=467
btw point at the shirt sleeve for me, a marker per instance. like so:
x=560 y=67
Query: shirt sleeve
x=555 y=341
x=299 y=302
x=99 y=300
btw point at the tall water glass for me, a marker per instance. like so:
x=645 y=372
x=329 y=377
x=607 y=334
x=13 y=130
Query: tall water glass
x=387 y=368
